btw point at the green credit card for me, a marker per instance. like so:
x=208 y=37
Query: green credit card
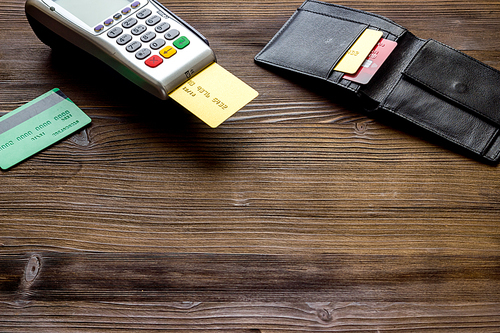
x=37 y=125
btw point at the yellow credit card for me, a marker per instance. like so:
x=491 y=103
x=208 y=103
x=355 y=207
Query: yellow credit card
x=214 y=94
x=360 y=50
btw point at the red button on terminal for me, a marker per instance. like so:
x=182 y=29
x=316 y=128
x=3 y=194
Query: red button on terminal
x=154 y=61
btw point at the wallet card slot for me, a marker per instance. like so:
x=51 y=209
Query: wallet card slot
x=336 y=76
x=311 y=43
x=458 y=78
x=390 y=73
x=423 y=107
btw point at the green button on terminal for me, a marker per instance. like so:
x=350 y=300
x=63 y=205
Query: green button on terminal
x=181 y=42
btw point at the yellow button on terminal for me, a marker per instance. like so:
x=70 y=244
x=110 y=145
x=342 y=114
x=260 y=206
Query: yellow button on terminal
x=168 y=52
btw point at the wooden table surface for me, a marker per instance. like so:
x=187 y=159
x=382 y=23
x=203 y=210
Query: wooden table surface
x=298 y=214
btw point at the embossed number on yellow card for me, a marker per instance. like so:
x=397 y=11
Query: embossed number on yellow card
x=214 y=94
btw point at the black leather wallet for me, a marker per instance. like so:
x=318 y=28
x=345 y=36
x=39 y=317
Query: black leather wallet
x=423 y=81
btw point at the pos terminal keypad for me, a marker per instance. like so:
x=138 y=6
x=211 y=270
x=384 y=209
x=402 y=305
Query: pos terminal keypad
x=144 y=33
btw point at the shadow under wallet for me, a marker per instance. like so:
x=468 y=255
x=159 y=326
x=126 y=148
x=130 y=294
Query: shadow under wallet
x=429 y=84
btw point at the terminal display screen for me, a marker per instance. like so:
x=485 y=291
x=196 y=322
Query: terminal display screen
x=93 y=12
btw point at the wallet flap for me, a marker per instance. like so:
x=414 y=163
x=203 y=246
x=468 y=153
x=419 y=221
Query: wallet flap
x=458 y=77
x=429 y=110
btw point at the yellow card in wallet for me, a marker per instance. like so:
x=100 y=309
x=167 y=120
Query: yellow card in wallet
x=360 y=50
x=213 y=95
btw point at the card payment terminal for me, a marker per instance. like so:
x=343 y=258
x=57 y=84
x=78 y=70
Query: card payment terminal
x=141 y=39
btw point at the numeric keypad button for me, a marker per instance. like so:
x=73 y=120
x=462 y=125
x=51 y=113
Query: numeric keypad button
x=157 y=44
x=148 y=36
x=144 y=13
x=143 y=54
x=171 y=34
x=153 y=20
x=115 y=32
x=129 y=23
x=134 y=46
x=124 y=39
x=139 y=29
x=162 y=27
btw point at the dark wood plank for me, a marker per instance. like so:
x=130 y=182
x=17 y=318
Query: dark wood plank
x=261 y=293
x=108 y=277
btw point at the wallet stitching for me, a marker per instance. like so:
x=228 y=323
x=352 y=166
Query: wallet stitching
x=425 y=126
x=405 y=72
x=354 y=10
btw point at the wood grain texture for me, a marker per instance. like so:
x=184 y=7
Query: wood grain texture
x=251 y=317
x=122 y=277
x=301 y=213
